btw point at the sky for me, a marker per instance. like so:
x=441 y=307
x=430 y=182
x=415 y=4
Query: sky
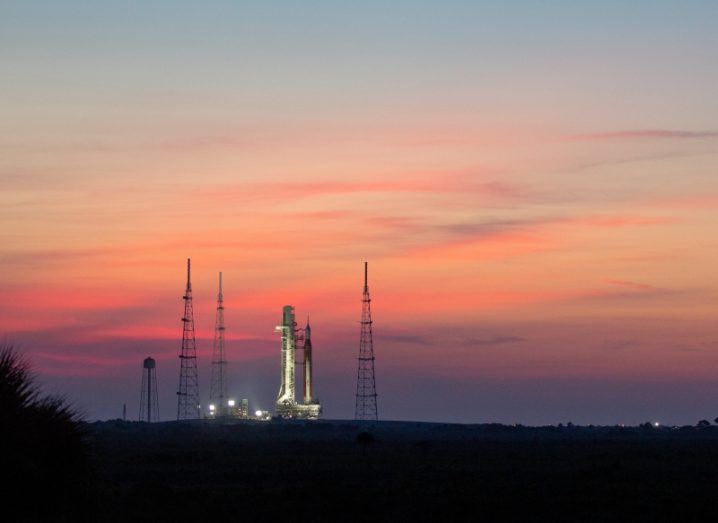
x=534 y=186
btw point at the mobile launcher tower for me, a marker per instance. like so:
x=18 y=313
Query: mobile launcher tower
x=287 y=406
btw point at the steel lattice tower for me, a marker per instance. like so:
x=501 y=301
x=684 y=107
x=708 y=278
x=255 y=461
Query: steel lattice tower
x=149 y=406
x=365 y=407
x=218 y=388
x=188 y=393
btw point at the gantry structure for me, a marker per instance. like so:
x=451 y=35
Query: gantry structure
x=188 y=392
x=365 y=406
x=218 y=386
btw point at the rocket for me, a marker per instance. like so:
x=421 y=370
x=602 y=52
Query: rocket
x=286 y=395
x=287 y=405
x=308 y=364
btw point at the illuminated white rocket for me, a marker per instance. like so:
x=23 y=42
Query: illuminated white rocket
x=287 y=394
x=287 y=406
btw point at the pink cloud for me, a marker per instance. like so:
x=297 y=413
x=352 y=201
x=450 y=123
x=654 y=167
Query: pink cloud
x=437 y=183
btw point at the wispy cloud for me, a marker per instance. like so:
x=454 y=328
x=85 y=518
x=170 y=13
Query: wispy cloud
x=633 y=285
x=685 y=202
x=642 y=133
x=632 y=292
x=699 y=346
x=492 y=341
x=496 y=238
x=414 y=339
x=618 y=344
x=436 y=183
x=488 y=228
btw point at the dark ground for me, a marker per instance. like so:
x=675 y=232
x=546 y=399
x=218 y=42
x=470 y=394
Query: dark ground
x=410 y=471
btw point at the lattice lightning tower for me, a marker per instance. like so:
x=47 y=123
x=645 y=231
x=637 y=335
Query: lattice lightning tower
x=188 y=393
x=365 y=407
x=218 y=389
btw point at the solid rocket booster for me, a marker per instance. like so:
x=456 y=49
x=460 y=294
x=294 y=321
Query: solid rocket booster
x=308 y=395
x=287 y=386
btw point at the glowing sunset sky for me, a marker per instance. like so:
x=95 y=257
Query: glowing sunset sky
x=535 y=188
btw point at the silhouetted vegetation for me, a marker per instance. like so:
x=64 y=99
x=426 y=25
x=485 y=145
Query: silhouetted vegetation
x=364 y=439
x=333 y=471
x=44 y=450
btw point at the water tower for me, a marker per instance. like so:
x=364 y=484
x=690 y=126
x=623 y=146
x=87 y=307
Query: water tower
x=149 y=407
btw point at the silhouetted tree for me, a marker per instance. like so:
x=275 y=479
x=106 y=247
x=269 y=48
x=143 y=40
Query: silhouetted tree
x=364 y=439
x=44 y=450
x=704 y=423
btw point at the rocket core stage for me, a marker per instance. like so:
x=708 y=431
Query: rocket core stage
x=287 y=406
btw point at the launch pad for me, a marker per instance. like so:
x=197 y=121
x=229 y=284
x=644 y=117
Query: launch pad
x=287 y=405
